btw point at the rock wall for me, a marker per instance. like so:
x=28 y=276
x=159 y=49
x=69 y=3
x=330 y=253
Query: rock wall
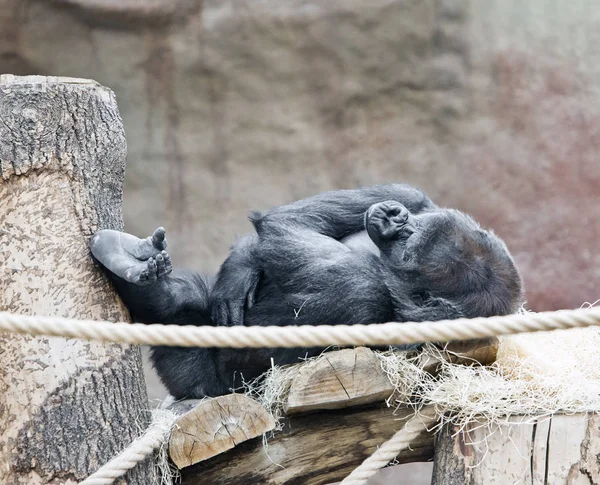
x=231 y=105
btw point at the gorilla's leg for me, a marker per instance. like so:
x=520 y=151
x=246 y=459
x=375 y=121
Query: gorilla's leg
x=141 y=271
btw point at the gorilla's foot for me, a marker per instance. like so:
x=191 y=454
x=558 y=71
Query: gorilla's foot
x=388 y=221
x=137 y=261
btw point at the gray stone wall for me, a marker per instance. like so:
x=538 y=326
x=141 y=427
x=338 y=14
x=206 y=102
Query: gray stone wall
x=232 y=105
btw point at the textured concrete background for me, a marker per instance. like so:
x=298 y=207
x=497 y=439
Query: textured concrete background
x=231 y=105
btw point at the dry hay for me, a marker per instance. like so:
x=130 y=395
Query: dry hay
x=535 y=375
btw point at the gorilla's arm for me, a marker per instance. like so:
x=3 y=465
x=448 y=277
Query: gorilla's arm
x=236 y=283
x=340 y=213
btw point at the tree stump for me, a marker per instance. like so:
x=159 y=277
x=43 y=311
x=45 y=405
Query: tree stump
x=561 y=450
x=67 y=406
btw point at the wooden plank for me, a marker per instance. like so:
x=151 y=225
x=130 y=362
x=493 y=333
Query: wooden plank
x=340 y=379
x=216 y=425
x=314 y=449
x=558 y=450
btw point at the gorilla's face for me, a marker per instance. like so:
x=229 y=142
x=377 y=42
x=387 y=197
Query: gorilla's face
x=444 y=253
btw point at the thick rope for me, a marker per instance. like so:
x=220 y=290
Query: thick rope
x=290 y=336
x=420 y=422
x=136 y=452
x=298 y=336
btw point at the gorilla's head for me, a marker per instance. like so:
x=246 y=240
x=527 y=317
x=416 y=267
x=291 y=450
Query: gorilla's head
x=443 y=253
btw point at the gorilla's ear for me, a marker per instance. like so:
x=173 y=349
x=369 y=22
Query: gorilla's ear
x=436 y=308
x=433 y=310
x=486 y=303
x=255 y=218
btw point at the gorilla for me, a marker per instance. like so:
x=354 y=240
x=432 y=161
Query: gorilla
x=376 y=254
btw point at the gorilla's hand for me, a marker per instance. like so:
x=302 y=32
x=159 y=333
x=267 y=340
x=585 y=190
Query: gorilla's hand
x=236 y=284
x=137 y=261
x=233 y=293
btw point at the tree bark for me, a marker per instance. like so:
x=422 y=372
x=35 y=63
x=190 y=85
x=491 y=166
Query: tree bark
x=66 y=406
x=561 y=450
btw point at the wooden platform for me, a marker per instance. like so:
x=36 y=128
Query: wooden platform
x=337 y=416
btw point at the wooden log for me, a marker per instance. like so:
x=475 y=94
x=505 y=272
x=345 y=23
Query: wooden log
x=315 y=449
x=477 y=351
x=558 y=450
x=353 y=377
x=214 y=426
x=340 y=379
x=67 y=406
x=467 y=352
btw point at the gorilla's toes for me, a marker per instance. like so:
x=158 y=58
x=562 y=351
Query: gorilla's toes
x=163 y=264
x=158 y=239
x=152 y=270
x=167 y=260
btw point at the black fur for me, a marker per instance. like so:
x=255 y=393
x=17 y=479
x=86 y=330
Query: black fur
x=311 y=263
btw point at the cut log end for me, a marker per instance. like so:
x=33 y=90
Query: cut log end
x=349 y=377
x=216 y=425
x=6 y=79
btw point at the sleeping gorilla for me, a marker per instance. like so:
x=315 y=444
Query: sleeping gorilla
x=372 y=255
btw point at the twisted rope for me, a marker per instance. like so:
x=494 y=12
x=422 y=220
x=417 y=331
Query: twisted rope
x=136 y=452
x=290 y=336
x=420 y=422
x=298 y=336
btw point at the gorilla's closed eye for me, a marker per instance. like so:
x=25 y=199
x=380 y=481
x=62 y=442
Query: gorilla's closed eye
x=420 y=297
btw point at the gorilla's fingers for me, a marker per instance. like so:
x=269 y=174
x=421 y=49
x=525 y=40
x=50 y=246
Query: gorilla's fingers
x=158 y=239
x=236 y=312
x=251 y=296
x=219 y=314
